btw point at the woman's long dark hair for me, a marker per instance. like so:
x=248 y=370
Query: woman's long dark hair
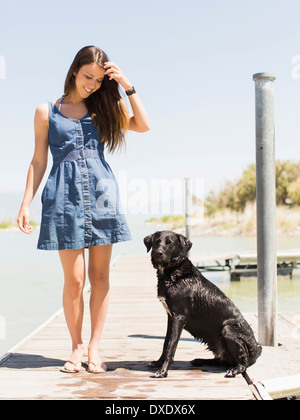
x=105 y=105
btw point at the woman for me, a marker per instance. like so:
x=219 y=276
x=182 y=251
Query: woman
x=80 y=199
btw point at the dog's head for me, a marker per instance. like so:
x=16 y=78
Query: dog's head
x=168 y=248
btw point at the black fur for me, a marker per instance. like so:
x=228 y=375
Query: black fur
x=195 y=304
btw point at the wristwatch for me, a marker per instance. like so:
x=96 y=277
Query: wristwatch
x=130 y=91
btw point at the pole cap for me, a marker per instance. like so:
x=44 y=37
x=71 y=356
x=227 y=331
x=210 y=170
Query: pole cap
x=264 y=75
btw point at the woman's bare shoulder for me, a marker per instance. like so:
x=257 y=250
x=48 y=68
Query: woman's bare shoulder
x=42 y=111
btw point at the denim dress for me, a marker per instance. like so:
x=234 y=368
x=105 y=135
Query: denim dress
x=80 y=201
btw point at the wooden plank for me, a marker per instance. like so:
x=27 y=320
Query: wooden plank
x=283 y=387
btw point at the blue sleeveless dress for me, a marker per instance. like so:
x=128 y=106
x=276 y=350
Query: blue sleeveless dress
x=80 y=201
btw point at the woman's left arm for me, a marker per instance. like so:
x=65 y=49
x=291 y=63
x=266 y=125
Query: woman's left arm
x=139 y=121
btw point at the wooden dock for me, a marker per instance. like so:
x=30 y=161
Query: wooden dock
x=133 y=336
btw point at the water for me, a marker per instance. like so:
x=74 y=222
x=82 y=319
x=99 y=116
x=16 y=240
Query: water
x=31 y=281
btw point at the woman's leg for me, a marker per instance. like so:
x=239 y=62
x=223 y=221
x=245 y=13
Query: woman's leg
x=74 y=270
x=99 y=265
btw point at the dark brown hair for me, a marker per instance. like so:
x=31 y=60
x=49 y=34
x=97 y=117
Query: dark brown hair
x=105 y=105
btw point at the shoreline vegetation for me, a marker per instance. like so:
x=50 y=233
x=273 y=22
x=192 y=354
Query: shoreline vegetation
x=230 y=223
x=9 y=224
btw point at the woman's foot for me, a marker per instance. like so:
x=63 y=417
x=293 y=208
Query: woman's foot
x=73 y=365
x=98 y=367
x=95 y=365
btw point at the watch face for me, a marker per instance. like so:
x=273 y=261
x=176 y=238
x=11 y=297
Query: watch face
x=130 y=92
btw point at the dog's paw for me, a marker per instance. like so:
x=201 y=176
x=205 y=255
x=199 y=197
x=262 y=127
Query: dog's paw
x=159 y=374
x=231 y=373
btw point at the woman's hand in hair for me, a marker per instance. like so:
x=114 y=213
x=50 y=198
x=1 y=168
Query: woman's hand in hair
x=115 y=73
x=139 y=121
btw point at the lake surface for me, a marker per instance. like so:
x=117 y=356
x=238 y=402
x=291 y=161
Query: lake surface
x=31 y=281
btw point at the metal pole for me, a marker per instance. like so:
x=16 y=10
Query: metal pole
x=188 y=207
x=266 y=208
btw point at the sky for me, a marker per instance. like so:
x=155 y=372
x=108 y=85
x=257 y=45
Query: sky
x=191 y=63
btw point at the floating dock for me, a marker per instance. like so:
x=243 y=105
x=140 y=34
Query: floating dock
x=134 y=336
x=241 y=265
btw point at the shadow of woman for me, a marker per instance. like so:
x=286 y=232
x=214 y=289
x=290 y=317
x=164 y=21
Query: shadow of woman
x=30 y=361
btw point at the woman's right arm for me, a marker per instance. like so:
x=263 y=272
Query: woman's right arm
x=37 y=166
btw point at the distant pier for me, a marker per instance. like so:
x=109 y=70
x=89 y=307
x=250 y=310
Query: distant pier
x=241 y=265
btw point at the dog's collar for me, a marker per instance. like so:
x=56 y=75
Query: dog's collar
x=165 y=273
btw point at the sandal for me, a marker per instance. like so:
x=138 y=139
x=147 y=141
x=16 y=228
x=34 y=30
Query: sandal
x=76 y=368
x=99 y=367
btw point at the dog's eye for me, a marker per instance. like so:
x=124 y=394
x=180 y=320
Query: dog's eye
x=168 y=242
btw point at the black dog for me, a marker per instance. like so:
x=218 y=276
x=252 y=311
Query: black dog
x=195 y=304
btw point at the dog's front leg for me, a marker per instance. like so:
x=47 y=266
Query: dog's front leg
x=176 y=327
x=158 y=363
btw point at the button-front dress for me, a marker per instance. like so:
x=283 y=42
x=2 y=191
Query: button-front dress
x=80 y=201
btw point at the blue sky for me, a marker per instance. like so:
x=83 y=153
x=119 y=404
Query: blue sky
x=191 y=62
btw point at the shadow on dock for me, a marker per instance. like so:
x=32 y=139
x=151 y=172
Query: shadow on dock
x=31 y=361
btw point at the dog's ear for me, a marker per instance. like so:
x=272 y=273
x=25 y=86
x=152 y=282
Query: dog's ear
x=148 y=242
x=185 y=243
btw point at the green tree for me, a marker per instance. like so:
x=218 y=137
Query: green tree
x=294 y=192
x=286 y=174
x=246 y=188
x=236 y=195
